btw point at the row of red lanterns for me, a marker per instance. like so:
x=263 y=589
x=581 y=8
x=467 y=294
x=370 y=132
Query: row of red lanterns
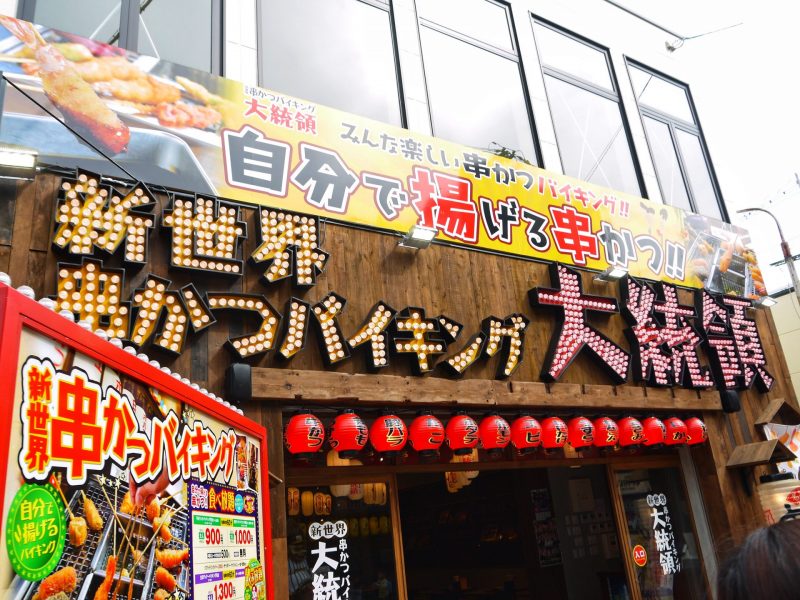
x=305 y=433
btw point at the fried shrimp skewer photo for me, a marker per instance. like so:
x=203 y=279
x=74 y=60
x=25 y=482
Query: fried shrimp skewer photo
x=70 y=94
x=105 y=588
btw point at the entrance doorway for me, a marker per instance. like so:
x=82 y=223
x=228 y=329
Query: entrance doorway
x=601 y=530
x=544 y=533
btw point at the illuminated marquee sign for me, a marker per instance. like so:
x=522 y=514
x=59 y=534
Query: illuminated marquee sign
x=206 y=238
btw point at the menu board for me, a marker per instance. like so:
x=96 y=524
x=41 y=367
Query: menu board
x=116 y=485
x=224 y=540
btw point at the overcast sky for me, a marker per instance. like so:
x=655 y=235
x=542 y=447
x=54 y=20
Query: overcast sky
x=746 y=85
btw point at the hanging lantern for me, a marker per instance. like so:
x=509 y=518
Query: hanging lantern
x=328 y=504
x=676 y=432
x=384 y=524
x=631 y=432
x=606 y=433
x=369 y=493
x=304 y=435
x=388 y=434
x=696 y=432
x=554 y=433
x=526 y=434
x=426 y=435
x=580 y=432
x=495 y=433
x=293 y=501
x=307 y=503
x=374 y=526
x=654 y=431
x=334 y=459
x=341 y=490
x=380 y=494
x=356 y=491
x=349 y=434
x=363 y=526
x=352 y=527
x=455 y=480
x=319 y=504
x=462 y=434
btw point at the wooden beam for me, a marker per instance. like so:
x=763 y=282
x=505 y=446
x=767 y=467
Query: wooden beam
x=759 y=453
x=290 y=386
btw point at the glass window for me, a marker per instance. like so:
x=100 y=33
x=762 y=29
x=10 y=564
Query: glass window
x=694 y=160
x=679 y=154
x=590 y=136
x=573 y=57
x=662 y=540
x=668 y=170
x=96 y=19
x=157 y=36
x=661 y=95
x=336 y=52
x=341 y=533
x=590 y=128
x=478 y=19
x=493 y=113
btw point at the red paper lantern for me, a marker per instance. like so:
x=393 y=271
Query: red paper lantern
x=631 y=432
x=304 y=435
x=654 y=431
x=495 y=433
x=462 y=434
x=349 y=434
x=676 y=432
x=426 y=435
x=526 y=434
x=696 y=432
x=581 y=432
x=388 y=434
x=606 y=433
x=554 y=433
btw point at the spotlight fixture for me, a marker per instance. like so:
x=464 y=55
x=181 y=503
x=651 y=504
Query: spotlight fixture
x=611 y=274
x=418 y=237
x=765 y=302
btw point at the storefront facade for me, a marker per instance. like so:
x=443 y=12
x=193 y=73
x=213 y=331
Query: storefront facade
x=295 y=304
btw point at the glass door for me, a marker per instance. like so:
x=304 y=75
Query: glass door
x=659 y=540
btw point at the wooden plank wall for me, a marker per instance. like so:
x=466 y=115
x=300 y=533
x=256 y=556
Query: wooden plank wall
x=365 y=267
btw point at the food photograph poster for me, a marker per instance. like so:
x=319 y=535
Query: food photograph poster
x=115 y=489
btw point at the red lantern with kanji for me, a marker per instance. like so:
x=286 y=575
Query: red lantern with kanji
x=304 y=435
x=654 y=431
x=426 y=435
x=495 y=433
x=388 y=434
x=349 y=434
x=696 y=432
x=462 y=434
x=526 y=434
x=676 y=432
x=631 y=432
x=580 y=432
x=606 y=433
x=554 y=433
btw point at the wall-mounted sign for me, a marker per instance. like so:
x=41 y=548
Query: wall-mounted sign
x=119 y=477
x=260 y=147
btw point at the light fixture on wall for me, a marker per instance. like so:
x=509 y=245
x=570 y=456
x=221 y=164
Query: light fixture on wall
x=418 y=237
x=17 y=161
x=765 y=302
x=611 y=274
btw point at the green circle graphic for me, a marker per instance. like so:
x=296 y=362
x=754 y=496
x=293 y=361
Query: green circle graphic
x=35 y=531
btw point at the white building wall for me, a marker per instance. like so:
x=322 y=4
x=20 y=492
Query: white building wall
x=787 y=321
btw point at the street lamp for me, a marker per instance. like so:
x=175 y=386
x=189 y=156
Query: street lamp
x=787 y=254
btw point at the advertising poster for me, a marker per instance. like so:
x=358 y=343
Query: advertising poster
x=183 y=129
x=117 y=489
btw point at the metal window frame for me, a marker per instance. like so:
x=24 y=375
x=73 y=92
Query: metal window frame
x=674 y=124
x=262 y=10
x=512 y=56
x=588 y=86
x=129 y=27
